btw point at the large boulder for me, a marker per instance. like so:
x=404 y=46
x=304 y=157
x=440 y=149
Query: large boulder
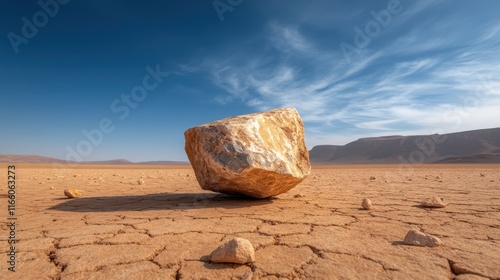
x=259 y=155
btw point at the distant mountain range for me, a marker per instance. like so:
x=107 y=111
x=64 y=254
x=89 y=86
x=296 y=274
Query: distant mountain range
x=476 y=146
x=49 y=160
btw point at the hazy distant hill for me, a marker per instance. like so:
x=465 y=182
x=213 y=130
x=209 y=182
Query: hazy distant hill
x=49 y=160
x=477 y=146
x=28 y=159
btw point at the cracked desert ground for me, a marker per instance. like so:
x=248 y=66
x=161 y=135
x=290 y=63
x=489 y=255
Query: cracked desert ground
x=166 y=227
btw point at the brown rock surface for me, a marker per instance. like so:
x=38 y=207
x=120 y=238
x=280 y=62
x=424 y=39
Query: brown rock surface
x=73 y=193
x=259 y=155
x=366 y=204
x=167 y=228
x=237 y=250
x=434 y=202
x=417 y=238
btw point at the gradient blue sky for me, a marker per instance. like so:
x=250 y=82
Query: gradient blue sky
x=432 y=67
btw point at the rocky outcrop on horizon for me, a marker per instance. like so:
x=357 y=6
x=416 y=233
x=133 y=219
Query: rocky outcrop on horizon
x=476 y=146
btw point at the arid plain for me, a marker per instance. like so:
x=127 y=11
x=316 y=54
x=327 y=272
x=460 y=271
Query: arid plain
x=155 y=222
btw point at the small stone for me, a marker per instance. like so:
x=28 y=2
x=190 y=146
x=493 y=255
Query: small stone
x=372 y=178
x=299 y=195
x=366 y=204
x=48 y=178
x=140 y=182
x=73 y=193
x=51 y=188
x=417 y=238
x=434 y=202
x=492 y=181
x=438 y=177
x=237 y=250
x=481 y=174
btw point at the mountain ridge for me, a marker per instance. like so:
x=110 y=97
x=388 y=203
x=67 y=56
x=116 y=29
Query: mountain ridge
x=474 y=146
x=11 y=158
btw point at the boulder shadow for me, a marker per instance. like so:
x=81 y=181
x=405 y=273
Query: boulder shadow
x=217 y=266
x=158 y=201
x=420 y=206
x=399 y=243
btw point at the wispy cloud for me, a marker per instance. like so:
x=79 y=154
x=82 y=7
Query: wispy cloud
x=416 y=82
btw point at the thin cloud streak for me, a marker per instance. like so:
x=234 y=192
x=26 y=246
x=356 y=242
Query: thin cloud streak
x=417 y=93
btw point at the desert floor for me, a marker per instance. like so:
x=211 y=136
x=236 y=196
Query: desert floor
x=166 y=227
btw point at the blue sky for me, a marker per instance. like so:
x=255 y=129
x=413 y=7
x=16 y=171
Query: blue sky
x=352 y=69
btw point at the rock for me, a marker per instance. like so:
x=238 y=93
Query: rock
x=417 y=238
x=366 y=204
x=481 y=174
x=372 y=178
x=259 y=155
x=73 y=193
x=237 y=250
x=434 y=202
x=140 y=182
x=299 y=195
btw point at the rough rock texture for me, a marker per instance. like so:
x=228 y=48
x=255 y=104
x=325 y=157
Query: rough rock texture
x=434 y=202
x=366 y=204
x=417 y=238
x=259 y=155
x=237 y=250
x=73 y=193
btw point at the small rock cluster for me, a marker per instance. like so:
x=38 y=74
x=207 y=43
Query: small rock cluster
x=415 y=237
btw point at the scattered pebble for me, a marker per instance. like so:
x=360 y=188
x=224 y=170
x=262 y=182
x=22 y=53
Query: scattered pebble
x=51 y=188
x=434 y=202
x=417 y=238
x=299 y=195
x=73 y=193
x=237 y=250
x=366 y=204
x=140 y=182
x=482 y=174
x=48 y=178
x=372 y=178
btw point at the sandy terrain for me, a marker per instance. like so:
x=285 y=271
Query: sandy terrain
x=166 y=227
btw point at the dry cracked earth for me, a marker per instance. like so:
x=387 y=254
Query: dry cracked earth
x=166 y=227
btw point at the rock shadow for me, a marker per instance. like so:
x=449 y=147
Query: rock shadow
x=158 y=201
